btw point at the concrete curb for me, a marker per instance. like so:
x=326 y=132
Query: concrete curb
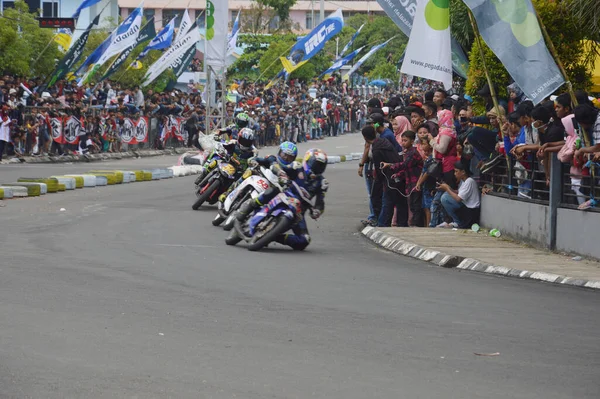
x=106 y=177
x=415 y=251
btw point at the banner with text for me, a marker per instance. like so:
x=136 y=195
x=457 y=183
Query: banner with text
x=402 y=12
x=428 y=53
x=311 y=44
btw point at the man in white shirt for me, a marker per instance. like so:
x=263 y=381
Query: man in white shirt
x=463 y=205
x=5 y=122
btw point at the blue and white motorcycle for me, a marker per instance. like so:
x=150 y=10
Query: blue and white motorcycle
x=256 y=179
x=268 y=222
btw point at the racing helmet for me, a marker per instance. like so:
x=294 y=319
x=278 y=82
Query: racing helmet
x=315 y=162
x=242 y=120
x=246 y=139
x=287 y=153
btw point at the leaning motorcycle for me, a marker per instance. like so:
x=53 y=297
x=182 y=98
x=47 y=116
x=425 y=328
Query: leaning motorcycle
x=256 y=179
x=217 y=181
x=267 y=223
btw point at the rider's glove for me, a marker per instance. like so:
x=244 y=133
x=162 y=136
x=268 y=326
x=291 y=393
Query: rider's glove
x=315 y=213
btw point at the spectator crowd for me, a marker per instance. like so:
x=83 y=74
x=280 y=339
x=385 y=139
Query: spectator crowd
x=293 y=111
x=427 y=158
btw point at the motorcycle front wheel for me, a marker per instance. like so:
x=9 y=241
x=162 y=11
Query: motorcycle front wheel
x=202 y=197
x=272 y=229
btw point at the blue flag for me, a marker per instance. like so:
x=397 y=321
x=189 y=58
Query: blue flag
x=85 y=4
x=161 y=41
x=349 y=44
x=341 y=62
x=311 y=44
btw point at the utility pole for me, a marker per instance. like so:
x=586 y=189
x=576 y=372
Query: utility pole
x=322 y=11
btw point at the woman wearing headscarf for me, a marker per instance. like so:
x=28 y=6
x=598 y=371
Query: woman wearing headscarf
x=444 y=149
x=400 y=124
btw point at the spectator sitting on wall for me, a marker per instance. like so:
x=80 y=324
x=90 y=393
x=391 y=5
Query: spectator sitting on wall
x=462 y=205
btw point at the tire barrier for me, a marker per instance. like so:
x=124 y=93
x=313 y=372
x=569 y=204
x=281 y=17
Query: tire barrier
x=69 y=182
x=51 y=183
x=87 y=180
x=110 y=178
x=33 y=189
x=17 y=192
x=118 y=175
x=36 y=186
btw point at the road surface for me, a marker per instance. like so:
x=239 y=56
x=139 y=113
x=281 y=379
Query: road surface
x=131 y=294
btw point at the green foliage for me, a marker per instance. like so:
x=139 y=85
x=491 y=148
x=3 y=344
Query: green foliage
x=22 y=41
x=476 y=78
x=460 y=25
x=378 y=29
x=281 y=7
x=384 y=71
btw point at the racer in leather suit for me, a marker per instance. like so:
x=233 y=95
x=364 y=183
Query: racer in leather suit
x=310 y=177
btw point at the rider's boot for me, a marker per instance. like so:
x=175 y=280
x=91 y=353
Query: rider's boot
x=247 y=208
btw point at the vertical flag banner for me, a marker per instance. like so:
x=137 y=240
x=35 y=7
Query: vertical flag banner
x=428 y=53
x=311 y=44
x=183 y=62
x=402 y=12
x=341 y=62
x=216 y=33
x=366 y=57
x=176 y=50
x=121 y=38
x=161 y=41
x=148 y=32
x=512 y=31
x=73 y=55
x=63 y=38
x=184 y=26
x=349 y=44
x=232 y=38
x=84 y=4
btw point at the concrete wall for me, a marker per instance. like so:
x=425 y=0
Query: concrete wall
x=522 y=220
x=578 y=231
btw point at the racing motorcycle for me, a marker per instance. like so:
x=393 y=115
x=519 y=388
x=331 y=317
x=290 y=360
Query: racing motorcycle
x=267 y=223
x=217 y=181
x=256 y=179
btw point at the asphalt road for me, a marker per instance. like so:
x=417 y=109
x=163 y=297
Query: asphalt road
x=131 y=294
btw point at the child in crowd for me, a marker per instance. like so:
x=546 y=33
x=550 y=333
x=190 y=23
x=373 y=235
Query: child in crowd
x=426 y=183
x=410 y=169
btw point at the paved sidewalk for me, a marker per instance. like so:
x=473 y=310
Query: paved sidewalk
x=468 y=250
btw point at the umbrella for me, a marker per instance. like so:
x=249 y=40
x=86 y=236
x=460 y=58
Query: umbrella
x=378 y=82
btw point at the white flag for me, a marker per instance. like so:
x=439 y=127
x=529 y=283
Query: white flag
x=176 y=50
x=428 y=53
x=125 y=36
x=184 y=26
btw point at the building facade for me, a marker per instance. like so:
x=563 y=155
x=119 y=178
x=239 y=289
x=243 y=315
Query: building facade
x=304 y=13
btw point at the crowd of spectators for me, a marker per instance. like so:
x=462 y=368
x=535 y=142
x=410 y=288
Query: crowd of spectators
x=293 y=111
x=428 y=158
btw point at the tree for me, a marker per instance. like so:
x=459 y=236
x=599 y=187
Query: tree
x=262 y=15
x=587 y=13
x=25 y=48
x=281 y=7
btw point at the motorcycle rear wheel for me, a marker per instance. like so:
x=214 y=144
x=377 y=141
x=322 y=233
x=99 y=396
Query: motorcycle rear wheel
x=206 y=194
x=280 y=225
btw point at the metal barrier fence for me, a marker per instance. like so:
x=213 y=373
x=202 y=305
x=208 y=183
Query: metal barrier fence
x=528 y=182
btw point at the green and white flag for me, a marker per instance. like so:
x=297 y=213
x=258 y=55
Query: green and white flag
x=428 y=52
